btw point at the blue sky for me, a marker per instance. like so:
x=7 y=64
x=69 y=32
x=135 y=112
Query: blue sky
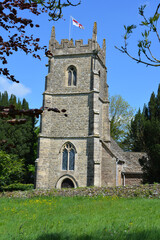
x=134 y=82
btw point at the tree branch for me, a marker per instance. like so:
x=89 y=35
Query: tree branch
x=136 y=59
x=153 y=56
x=145 y=43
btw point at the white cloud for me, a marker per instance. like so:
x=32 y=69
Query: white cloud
x=17 y=89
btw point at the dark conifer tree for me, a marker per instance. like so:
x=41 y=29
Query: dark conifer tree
x=136 y=133
x=12 y=100
x=4 y=99
x=152 y=105
x=158 y=103
x=19 y=105
x=20 y=139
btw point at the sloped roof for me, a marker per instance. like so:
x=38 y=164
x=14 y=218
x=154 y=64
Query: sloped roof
x=132 y=163
x=130 y=159
x=117 y=151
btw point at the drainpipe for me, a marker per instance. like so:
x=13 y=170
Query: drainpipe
x=117 y=172
x=123 y=174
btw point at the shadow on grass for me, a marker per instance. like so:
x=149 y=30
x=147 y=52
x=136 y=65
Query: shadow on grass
x=143 y=235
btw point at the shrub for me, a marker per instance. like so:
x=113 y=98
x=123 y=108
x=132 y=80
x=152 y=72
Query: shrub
x=11 y=169
x=17 y=187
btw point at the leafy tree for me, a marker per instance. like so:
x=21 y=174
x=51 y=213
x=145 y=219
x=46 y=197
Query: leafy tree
x=13 y=27
x=150 y=25
x=121 y=114
x=11 y=169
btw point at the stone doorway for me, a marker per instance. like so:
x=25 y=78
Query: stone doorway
x=67 y=183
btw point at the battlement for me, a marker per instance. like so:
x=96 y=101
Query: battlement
x=68 y=47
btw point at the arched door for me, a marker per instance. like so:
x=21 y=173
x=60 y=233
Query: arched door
x=67 y=183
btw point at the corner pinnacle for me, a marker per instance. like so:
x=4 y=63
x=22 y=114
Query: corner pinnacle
x=104 y=44
x=53 y=33
x=94 y=36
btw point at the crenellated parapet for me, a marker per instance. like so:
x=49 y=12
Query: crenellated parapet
x=69 y=47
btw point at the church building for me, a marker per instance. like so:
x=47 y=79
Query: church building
x=77 y=150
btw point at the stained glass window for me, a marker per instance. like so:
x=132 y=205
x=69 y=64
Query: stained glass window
x=71 y=159
x=68 y=157
x=69 y=78
x=74 y=77
x=65 y=159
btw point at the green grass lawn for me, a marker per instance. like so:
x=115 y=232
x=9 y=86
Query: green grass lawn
x=79 y=218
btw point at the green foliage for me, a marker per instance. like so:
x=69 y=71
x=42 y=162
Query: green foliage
x=128 y=30
x=141 y=9
x=121 y=114
x=135 y=140
x=4 y=99
x=11 y=169
x=17 y=187
x=151 y=165
x=35 y=146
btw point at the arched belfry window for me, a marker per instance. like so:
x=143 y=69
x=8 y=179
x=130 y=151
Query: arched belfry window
x=68 y=157
x=72 y=76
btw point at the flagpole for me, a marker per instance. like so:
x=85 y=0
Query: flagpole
x=70 y=27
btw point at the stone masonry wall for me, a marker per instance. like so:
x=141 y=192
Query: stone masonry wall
x=76 y=123
x=58 y=76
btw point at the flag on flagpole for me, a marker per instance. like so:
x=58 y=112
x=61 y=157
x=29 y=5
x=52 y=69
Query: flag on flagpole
x=77 y=24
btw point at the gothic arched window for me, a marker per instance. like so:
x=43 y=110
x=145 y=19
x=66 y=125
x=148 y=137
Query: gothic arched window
x=68 y=157
x=72 y=76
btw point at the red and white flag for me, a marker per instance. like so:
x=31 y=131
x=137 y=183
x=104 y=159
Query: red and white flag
x=77 y=24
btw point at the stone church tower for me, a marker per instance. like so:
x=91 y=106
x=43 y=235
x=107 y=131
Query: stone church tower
x=75 y=151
